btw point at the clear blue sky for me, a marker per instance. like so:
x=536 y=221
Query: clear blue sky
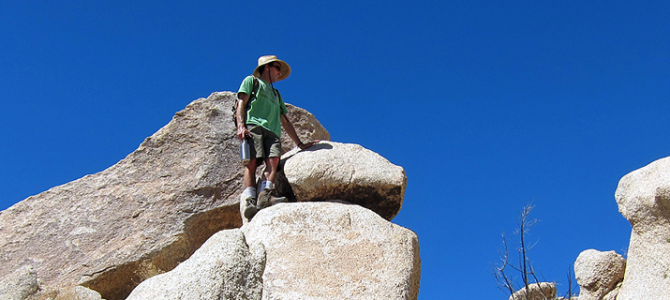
x=488 y=105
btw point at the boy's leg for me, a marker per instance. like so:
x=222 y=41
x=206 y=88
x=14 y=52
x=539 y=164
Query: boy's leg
x=266 y=196
x=271 y=170
x=249 y=193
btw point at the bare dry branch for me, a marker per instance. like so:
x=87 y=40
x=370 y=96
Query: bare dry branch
x=523 y=265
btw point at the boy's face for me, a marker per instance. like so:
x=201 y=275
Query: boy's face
x=275 y=70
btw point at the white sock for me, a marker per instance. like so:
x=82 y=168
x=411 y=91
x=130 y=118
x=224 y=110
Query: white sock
x=249 y=192
x=267 y=185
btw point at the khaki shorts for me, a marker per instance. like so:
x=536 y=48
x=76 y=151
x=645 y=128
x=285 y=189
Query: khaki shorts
x=263 y=143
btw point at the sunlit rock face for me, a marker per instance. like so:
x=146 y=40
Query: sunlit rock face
x=328 y=250
x=643 y=197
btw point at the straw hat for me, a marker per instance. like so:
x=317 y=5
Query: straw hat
x=266 y=59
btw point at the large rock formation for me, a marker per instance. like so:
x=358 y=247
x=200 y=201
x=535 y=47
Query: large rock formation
x=643 y=197
x=143 y=218
x=145 y=214
x=598 y=274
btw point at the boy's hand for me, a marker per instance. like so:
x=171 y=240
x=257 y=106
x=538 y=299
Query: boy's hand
x=308 y=145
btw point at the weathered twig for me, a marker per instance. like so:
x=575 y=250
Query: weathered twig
x=504 y=281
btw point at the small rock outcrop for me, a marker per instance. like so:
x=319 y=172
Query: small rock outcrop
x=536 y=291
x=109 y=231
x=598 y=274
x=223 y=268
x=643 y=197
x=349 y=172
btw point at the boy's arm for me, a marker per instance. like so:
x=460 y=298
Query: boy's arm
x=290 y=130
x=242 y=131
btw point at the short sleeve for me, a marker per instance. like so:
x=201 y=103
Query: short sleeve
x=247 y=85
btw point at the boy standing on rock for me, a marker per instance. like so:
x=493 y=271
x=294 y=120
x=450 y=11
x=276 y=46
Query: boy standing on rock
x=260 y=121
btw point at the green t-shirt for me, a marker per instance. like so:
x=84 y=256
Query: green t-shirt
x=267 y=108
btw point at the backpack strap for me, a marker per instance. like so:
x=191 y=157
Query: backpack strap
x=254 y=90
x=254 y=93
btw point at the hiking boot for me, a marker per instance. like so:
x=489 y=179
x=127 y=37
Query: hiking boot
x=266 y=198
x=251 y=210
x=275 y=200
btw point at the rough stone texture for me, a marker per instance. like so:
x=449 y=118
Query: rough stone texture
x=66 y=293
x=19 y=285
x=643 y=197
x=331 y=170
x=143 y=215
x=614 y=293
x=598 y=273
x=83 y=293
x=536 y=291
x=306 y=126
x=326 y=250
x=223 y=268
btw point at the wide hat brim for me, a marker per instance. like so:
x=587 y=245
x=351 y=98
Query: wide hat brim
x=264 y=60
